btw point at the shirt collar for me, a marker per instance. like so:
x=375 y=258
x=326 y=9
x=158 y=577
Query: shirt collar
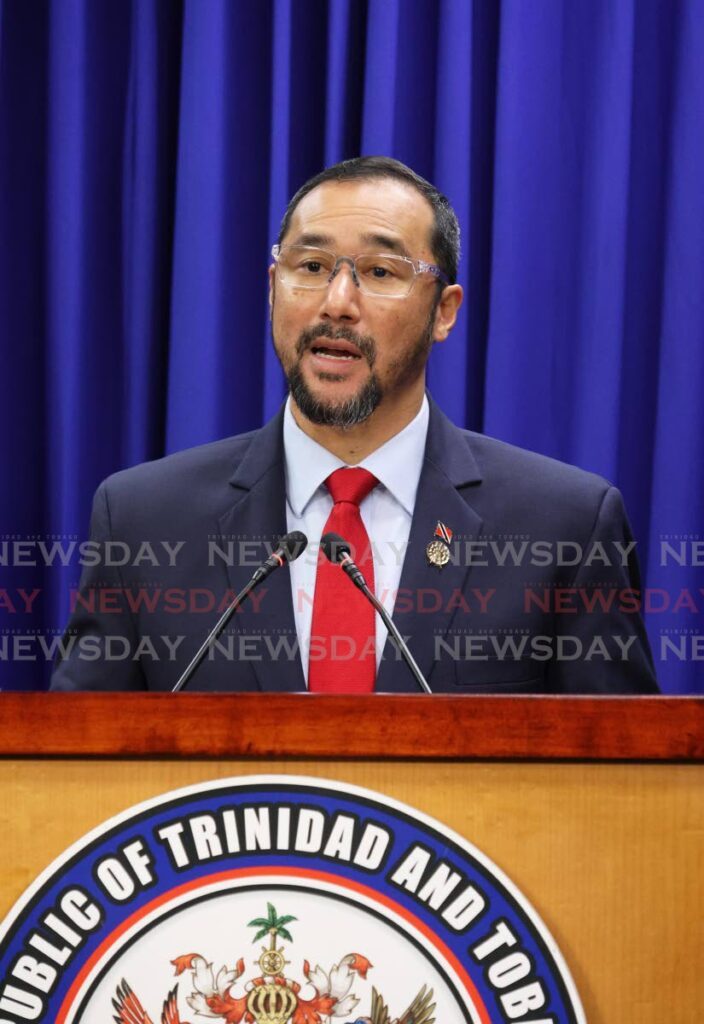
x=397 y=464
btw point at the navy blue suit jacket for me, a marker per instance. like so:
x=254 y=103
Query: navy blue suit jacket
x=474 y=626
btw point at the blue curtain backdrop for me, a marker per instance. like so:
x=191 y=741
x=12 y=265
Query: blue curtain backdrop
x=147 y=151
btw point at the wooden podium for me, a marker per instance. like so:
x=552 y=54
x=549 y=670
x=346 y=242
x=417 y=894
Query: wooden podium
x=594 y=807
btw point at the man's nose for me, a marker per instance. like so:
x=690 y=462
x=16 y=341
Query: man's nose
x=341 y=297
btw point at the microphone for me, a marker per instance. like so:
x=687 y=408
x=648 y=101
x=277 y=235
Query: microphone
x=288 y=549
x=337 y=550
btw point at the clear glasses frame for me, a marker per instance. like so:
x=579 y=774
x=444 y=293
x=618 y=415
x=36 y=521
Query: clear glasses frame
x=319 y=283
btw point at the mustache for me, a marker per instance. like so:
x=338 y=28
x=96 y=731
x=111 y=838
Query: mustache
x=364 y=342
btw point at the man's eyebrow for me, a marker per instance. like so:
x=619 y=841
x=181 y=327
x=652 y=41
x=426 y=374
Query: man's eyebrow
x=309 y=238
x=385 y=242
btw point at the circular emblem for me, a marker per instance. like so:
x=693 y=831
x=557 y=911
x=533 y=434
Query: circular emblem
x=437 y=553
x=278 y=900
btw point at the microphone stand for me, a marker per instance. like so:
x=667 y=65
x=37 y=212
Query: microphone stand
x=213 y=635
x=341 y=555
x=289 y=548
x=400 y=642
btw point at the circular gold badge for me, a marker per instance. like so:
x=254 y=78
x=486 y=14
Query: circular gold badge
x=437 y=553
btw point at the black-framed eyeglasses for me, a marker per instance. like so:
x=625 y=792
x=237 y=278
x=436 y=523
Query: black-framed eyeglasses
x=380 y=274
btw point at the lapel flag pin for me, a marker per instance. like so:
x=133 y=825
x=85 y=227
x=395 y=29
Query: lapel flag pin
x=438 y=551
x=443 y=532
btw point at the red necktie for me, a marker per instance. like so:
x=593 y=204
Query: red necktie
x=343 y=653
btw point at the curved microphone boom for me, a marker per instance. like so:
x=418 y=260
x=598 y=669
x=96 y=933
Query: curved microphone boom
x=287 y=550
x=337 y=550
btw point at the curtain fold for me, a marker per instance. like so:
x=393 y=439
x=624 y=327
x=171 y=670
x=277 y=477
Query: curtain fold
x=148 y=198
x=88 y=63
x=147 y=153
x=677 y=490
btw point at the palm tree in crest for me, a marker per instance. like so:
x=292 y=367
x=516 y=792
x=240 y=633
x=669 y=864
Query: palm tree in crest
x=273 y=925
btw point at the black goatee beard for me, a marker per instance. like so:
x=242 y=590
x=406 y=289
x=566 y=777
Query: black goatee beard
x=355 y=410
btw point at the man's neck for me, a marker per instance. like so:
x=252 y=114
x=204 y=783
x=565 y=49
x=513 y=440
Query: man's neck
x=356 y=443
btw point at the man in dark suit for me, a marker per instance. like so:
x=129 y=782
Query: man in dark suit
x=506 y=571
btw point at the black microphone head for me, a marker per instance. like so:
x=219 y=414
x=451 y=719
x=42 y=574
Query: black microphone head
x=293 y=545
x=334 y=547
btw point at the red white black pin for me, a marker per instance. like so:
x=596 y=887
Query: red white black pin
x=438 y=550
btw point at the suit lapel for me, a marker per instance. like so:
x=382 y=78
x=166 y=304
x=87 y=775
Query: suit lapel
x=258 y=516
x=429 y=598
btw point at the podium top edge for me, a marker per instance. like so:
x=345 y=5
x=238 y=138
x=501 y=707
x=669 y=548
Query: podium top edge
x=376 y=726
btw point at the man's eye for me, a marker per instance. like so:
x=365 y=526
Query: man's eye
x=382 y=271
x=312 y=267
x=378 y=268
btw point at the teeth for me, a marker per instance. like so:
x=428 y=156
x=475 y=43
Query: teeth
x=335 y=355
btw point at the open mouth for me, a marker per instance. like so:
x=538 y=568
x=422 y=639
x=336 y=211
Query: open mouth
x=339 y=351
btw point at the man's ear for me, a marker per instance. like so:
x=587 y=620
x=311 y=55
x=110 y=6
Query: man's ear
x=272 y=271
x=446 y=313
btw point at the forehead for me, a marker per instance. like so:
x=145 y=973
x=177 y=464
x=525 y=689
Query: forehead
x=355 y=212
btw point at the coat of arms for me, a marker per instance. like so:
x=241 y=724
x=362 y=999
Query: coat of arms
x=272 y=997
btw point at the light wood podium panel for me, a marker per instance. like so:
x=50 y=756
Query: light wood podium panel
x=594 y=808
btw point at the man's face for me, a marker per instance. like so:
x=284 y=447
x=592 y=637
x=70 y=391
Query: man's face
x=343 y=351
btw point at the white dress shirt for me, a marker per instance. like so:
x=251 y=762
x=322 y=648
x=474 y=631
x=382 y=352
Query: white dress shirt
x=386 y=513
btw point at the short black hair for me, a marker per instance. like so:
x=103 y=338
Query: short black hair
x=445 y=237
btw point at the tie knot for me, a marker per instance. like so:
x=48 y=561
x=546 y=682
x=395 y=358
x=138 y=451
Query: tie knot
x=351 y=484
